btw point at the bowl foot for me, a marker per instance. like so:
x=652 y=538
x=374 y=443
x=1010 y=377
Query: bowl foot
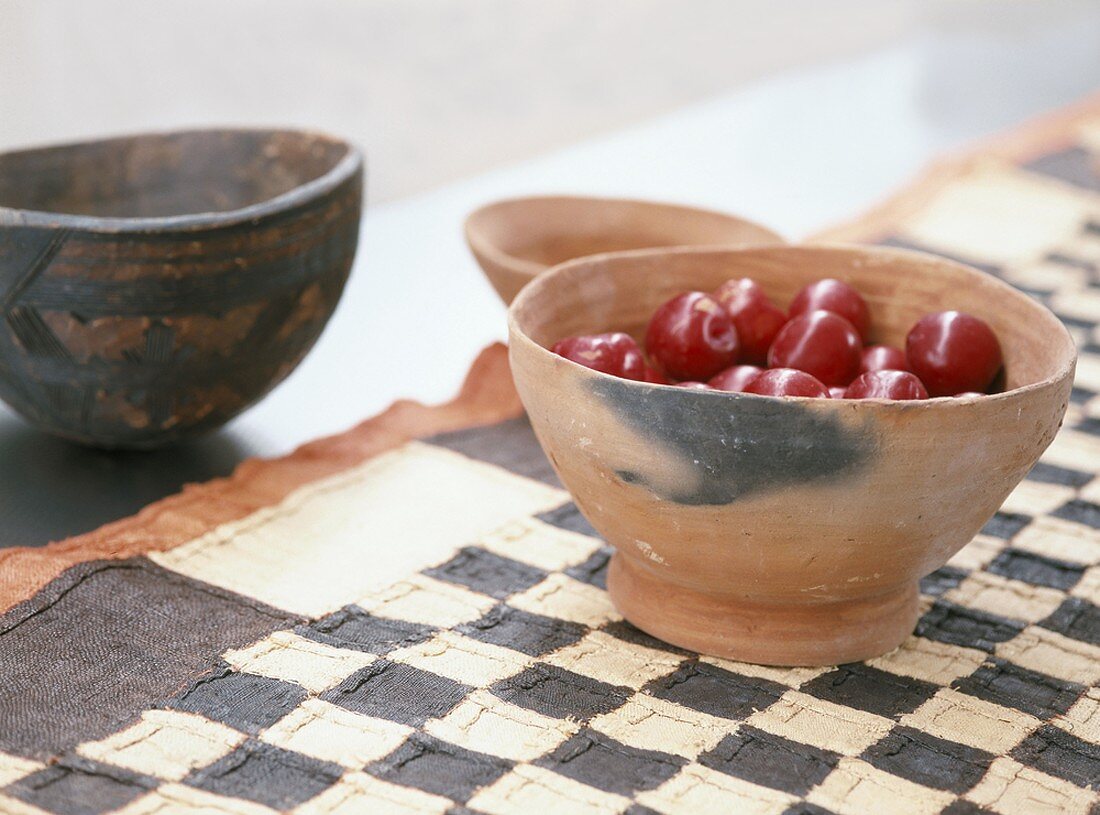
x=810 y=633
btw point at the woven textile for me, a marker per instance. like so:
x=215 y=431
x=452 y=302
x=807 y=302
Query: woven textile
x=411 y=617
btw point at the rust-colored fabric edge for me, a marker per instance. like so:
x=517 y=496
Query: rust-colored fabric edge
x=487 y=396
x=1048 y=132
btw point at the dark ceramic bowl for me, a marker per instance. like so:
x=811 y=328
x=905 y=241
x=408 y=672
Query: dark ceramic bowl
x=152 y=287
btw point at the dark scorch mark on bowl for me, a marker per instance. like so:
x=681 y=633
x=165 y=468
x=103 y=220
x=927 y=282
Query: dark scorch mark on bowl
x=737 y=445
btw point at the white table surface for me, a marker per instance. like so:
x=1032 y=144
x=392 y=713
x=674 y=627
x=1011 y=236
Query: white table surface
x=797 y=153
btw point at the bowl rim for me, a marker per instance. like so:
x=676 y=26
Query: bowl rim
x=533 y=288
x=349 y=165
x=481 y=245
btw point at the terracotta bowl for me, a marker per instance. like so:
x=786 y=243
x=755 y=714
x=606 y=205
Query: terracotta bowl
x=784 y=531
x=154 y=286
x=516 y=240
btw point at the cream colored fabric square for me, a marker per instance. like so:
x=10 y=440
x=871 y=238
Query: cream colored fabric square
x=361 y=536
x=425 y=600
x=1046 y=275
x=803 y=718
x=1074 y=449
x=977 y=554
x=791 y=677
x=463 y=659
x=1088 y=587
x=563 y=597
x=540 y=544
x=700 y=789
x=1037 y=498
x=362 y=794
x=1083 y=304
x=999 y=215
x=649 y=723
x=486 y=724
x=166 y=744
x=857 y=788
x=1087 y=374
x=180 y=799
x=610 y=659
x=1052 y=653
x=1010 y=788
x=1060 y=539
x=969 y=720
x=1091 y=491
x=12 y=768
x=535 y=790
x=932 y=661
x=1005 y=597
x=284 y=655
x=331 y=733
x=1083 y=719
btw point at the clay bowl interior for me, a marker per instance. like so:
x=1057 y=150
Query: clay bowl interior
x=154 y=286
x=517 y=239
x=784 y=531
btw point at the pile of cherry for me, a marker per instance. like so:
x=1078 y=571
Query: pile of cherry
x=737 y=339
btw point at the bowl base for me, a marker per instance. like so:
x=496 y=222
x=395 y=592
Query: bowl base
x=806 y=634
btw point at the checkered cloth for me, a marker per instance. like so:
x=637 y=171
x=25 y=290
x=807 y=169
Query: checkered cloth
x=422 y=627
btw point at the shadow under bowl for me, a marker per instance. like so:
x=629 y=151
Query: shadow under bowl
x=152 y=287
x=517 y=239
x=783 y=531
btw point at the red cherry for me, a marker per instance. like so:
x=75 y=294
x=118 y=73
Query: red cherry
x=886 y=385
x=614 y=353
x=735 y=294
x=953 y=352
x=835 y=296
x=736 y=378
x=692 y=337
x=695 y=386
x=968 y=394
x=819 y=343
x=883 y=358
x=756 y=318
x=654 y=376
x=787 y=382
x=837 y=392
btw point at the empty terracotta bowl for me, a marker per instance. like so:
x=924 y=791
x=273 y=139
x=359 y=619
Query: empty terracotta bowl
x=154 y=286
x=784 y=531
x=516 y=240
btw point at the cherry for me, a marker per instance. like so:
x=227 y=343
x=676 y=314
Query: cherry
x=692 y=337
x=819 y=343
x=756 y=318
x=736 y=378
x=837 y=392
x=738 y=292
x=883 y=358
x=695 y=386
x=835 y=296
x=953 y=352
x=613 y=353
x=653 y=376
x=787 y=382
x=968 y=394
x=886 y=385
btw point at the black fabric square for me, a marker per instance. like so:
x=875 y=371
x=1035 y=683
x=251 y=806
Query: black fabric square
x=961 y=806
x=567 y=516
x=804 y=808
x=1005 y=525
x=1080 y=395
x=968 y=627
x=78 y=786
x=352 y=627
x=770 y=761
x=1090 y=425
x=716 y=691
x=927 y=760
x=439 y=767
x=942 y=580
x=398 y=692
x=598 y=761
x=488 y=573
x=510 y=444
x=594 y=570
x=1074 y=165
x=1036 y=569
x=621 y=629
x=560 y=694
x=1004 y=683
x=866 y=688
x=531 y=634
x=638 y=809
x=1078 y=511
x=1050 y=474
x=1076 y=618
x=266 y=774
x=1058 y=753
x=242 y=700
